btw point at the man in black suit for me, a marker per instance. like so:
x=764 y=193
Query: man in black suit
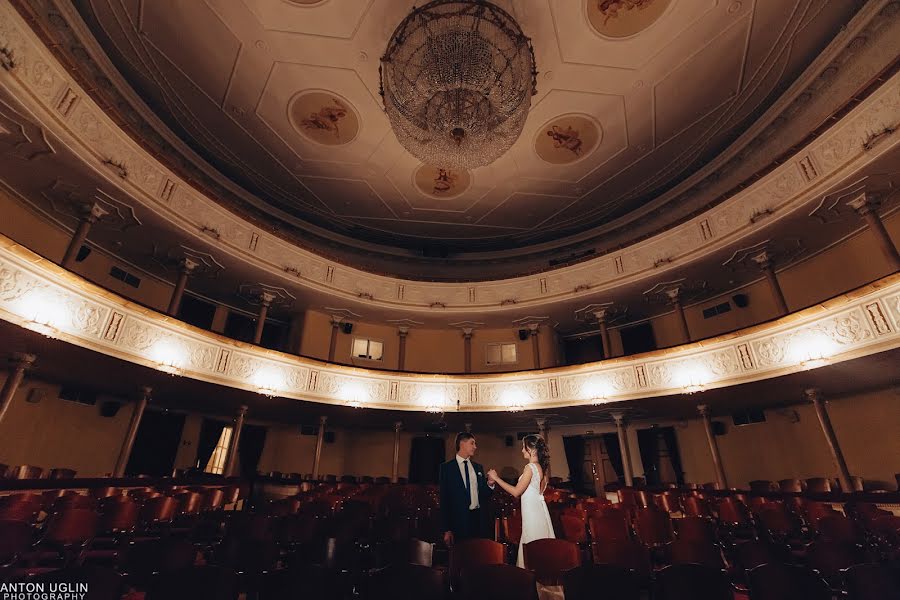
x=465 y=492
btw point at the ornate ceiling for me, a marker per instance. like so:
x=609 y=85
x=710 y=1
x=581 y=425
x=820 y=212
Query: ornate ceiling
x=637 y=103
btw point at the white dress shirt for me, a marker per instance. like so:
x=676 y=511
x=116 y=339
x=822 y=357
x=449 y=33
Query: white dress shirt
x=473 y=480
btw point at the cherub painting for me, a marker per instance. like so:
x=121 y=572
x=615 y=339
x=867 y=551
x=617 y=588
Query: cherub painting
x=567 y=138
x=327 y=119
x=610 y=8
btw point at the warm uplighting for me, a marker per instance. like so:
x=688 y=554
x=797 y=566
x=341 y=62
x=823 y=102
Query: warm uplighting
x=514 y=400
x=44 y=312
x=169 y=356
x=692 y=377
x=353 y=395
x=268 y=382
x=597 y=390
x=811 y=348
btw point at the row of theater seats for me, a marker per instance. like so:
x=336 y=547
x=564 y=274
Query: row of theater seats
x=371 y=541
x=32 y=472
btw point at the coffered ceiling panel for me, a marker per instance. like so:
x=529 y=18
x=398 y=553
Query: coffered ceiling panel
x=281 y=97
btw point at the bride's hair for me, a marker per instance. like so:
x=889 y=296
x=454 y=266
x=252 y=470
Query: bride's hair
x=537 y=443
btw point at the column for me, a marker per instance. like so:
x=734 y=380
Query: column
x=624 y=448
x=185 y=268
x=19 y=363
x=721 y=481
x=265 y=301
x=814 y=395
x=220 y=318
x=542 y=427
x=535 y=347
x=767 y=266
x=91 y=214
x=467 y=348
x=868 y=210
x=319 y=440
x=136 y=415
x=231 y=463
x=675 y=300
x=395 y=471
x=402 y=332
x=332 y=345
x=601 y=316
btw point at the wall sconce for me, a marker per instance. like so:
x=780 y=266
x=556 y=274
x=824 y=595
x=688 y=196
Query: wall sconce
x=597 y=390
x=811 y=349
x=268 y=382
x=692 y=378
x=353 y=395
x=44 y=312
x=169 y=357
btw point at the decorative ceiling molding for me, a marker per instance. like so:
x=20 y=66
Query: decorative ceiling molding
x=835 y=205
x=65 y=30
x=262 y=293
x=342 y=314
x=40 y=81
x=780 y=252
x=74 y=201
x=41 y=296
x=682 y=289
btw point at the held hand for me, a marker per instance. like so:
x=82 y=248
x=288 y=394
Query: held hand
x=448 y=538
x=492 y=476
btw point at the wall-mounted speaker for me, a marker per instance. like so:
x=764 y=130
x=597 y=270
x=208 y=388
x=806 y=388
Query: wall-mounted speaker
x=109 y=408
x=329 y=437
x=741 y=300
x=508 y=440
x=719 y=428
x=523 y=334
x=83 y=253
x=347 y=327
x=35 y=395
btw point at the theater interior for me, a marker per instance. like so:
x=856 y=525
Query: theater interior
x=266 y=264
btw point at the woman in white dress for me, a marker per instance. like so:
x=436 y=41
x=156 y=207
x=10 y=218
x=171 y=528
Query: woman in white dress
x=532 y=482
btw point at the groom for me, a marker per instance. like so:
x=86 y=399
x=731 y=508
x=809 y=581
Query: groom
x=465 y=492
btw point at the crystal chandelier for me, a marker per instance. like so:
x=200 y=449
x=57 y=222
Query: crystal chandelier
x=457 y=79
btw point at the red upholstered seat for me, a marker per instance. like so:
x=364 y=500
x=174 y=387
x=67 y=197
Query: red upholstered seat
x=549 y=558
x=498 y=582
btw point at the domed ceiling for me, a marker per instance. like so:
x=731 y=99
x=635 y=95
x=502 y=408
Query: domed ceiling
x=634 y=98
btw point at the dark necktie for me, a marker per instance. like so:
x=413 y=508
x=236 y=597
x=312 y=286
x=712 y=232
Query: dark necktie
x=468 y=489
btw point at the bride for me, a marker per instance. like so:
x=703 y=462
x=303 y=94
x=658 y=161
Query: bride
x=532 y=482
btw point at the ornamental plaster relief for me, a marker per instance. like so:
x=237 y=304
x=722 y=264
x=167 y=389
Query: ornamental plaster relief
x=37 y=79
x=37 y=294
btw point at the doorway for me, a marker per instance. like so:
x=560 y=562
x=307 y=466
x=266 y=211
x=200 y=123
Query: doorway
x=425 y=458
x=660 y=455
x=156 y=444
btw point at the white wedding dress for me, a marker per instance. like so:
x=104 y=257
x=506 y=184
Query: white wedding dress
x=536 y=523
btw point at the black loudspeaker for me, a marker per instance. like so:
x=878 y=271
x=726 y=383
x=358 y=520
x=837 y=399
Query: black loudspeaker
x=109 y=409
x=719 y=428
x=523 y=334
x=329 y=437
x=741 y=300
x=347 y=327
x=509 y=441
x=83 y=253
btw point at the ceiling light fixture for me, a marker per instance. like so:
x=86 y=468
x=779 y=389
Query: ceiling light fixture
x=457 y=79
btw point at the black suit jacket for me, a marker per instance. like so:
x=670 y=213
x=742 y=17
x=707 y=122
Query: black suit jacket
x=455 y=501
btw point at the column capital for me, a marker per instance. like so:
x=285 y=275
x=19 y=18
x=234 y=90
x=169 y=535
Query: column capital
x=541 y=423
x=468 y=427
x=187 y=266
x=242 y=410
x=674 y=296
x=618 y=417
x=322 y=420
x=863 y=204
x=601 y=314
x=398 y=425
x=703 y=409
x=403 y=331
x=146 y=391
x=814 y=395
x=764 y=260
x=21 y=360
x=467 y=332
x=266 y=299
x=92 y=212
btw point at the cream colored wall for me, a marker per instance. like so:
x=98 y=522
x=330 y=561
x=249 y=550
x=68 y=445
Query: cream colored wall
x=53 y=433
x=25 y=227
x=287 y=451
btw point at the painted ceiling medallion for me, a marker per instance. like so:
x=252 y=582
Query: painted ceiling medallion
x=324 y=118
x=457 y=79
x=624 y=18
x=567 y=139
x=440 y=182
